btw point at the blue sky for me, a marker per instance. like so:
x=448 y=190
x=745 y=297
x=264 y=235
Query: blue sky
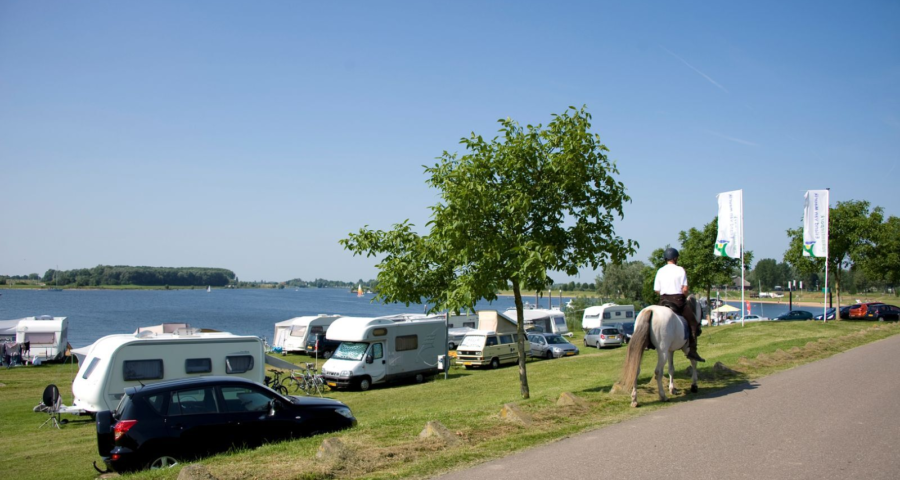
x=254 y=136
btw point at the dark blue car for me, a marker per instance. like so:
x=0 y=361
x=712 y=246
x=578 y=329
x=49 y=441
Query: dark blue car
x=795 y=315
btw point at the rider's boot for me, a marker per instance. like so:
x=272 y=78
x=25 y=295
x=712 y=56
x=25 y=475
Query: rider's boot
x=692 y=349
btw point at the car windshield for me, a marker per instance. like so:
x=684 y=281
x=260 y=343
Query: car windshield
x=555 y=339
x=351 y=351
x=472 y=341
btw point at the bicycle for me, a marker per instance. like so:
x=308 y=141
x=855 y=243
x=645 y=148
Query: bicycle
x=274 y=382
x=310 y=382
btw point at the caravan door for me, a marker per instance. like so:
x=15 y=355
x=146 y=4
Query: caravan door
x=377 y=368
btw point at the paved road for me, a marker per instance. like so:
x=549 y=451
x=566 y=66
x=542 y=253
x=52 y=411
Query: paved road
x=837 y=418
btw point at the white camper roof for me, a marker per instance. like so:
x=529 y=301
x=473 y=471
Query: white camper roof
x=304 y=320
x=8 y=327
x=539 y=313
x=43 y=323
x=110 y=343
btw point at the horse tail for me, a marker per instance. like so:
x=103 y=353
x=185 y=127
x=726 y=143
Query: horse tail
x=640 y=341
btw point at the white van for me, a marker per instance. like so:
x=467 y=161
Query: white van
x=115 y=362
x=482 y=348
x=46 y=336
x=378 y=350
x=606 y=314
x=301 y=330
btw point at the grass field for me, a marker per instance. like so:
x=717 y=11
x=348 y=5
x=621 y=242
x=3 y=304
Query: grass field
x=385 y=444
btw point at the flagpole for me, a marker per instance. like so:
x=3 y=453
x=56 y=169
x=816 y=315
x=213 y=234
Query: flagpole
x=827 y=233
x=742 y=258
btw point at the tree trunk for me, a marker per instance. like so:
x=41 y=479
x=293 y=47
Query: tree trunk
x=708 y=307
x=520 y=342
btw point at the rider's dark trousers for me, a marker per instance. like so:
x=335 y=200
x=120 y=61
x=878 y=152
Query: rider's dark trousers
x=678 y=301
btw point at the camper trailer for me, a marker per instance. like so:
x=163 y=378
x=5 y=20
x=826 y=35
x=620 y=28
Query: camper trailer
x=549 y=321
x=293 y=335
x=115 y=362
x=463 y=321
x=46 y=336
x=607 y=314
x=378 y=350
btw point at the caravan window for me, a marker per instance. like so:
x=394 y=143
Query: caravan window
x=559 y=320
x=469 y=324
x=142 y=369
x=238 y=364
x=43 y=338
x=629 y=314
x=298 y=330
x=606 y=315
x=90 y=368
x=198 y=365
x=618 y=314
x=588 y=317
x=407 y=342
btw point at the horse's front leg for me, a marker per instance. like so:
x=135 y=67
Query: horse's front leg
x=660 y=365
x=634 y=403
x=672 y=388
x=693 y=376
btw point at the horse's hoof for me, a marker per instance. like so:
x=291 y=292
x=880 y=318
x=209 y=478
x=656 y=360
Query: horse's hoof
x=634 y=404
x=674 y=392
x=663 y=399
x=693 y=389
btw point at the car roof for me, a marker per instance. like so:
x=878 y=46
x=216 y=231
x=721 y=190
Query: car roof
x=187 y=382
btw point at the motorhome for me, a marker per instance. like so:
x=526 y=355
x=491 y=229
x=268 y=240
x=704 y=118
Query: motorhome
x=378 y=350
x=115 y=362
x=294 y=335
x=606 y=314
x=46 y=336
x=549 y=321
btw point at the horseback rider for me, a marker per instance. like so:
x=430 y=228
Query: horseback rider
x=672 y=286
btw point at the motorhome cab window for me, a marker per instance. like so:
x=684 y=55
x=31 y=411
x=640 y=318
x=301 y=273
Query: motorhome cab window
x=90 y=368
x=47 y=338
x=472 y=341
x=350 y=351
x=198 y=365
x=298 y=330
x=238 y=363
x=407 y=342
x=377 y=351
x=491 y=341
x=143 y=369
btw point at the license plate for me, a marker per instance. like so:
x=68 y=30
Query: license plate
x=569 y=354
x=469 y=364
x=332 y=384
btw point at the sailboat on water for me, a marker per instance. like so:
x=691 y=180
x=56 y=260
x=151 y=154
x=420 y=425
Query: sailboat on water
x=359 y=291
x=56 y=276
x=208 y=289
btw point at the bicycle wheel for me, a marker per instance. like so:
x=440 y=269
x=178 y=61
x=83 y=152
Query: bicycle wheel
x=282 y=390
x=319 y=385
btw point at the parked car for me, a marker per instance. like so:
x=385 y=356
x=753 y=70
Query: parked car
x=550 y=345
x=794 y=315
x=883 y=312
x=859 y=310
x=628 y=329
x=320 y=345
x=845 y=312
x=829 y=313
x=159 y=425
x=604 y=337
x=747 y=318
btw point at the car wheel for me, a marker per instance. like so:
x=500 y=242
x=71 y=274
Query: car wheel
x=365 y=384
x=495 y=363
x=880 y=319
x=549 y=355
x=599 y=345
x=420 y=378
x=161 y=461
x=451 y=346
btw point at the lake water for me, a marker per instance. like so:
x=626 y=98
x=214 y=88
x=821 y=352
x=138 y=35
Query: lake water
x=95 y=313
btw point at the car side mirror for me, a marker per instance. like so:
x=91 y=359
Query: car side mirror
x=369 y=359
x=272 y=404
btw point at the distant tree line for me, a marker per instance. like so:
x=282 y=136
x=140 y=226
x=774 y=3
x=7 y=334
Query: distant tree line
x=143 y=276
x=323 y=283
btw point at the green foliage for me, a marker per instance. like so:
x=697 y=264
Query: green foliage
x=657 y=260
x=768 y=273
x=883 y=256
x=624 y=280
x=144 y=276
x=529 y=201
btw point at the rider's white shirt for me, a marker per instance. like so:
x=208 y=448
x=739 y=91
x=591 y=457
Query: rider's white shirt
x=670 y=279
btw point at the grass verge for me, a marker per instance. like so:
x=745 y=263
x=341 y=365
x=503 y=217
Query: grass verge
x=386 y=444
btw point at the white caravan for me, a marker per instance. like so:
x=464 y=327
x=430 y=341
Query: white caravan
x=46 y=336
x=378 y=350
x=551 y=321
x=608 y=313
x=115 y=362
x=293 y=336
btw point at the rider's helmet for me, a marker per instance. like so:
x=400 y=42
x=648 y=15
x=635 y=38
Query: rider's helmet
x=671 y=254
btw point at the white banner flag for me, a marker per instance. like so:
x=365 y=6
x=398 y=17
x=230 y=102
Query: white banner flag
x=730 y=238
x=815 y=223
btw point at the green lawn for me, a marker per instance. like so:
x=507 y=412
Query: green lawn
x=468 y=403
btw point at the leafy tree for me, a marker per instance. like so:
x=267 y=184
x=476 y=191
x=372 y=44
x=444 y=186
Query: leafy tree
x=529 y=201
x=624 y=280
x=883 y=257
x=852 y=231
x=767 y=273
x=704 y=269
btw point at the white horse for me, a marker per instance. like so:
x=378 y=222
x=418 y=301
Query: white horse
x=660 y=327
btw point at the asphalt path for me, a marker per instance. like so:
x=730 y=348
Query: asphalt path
x=837 y=418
